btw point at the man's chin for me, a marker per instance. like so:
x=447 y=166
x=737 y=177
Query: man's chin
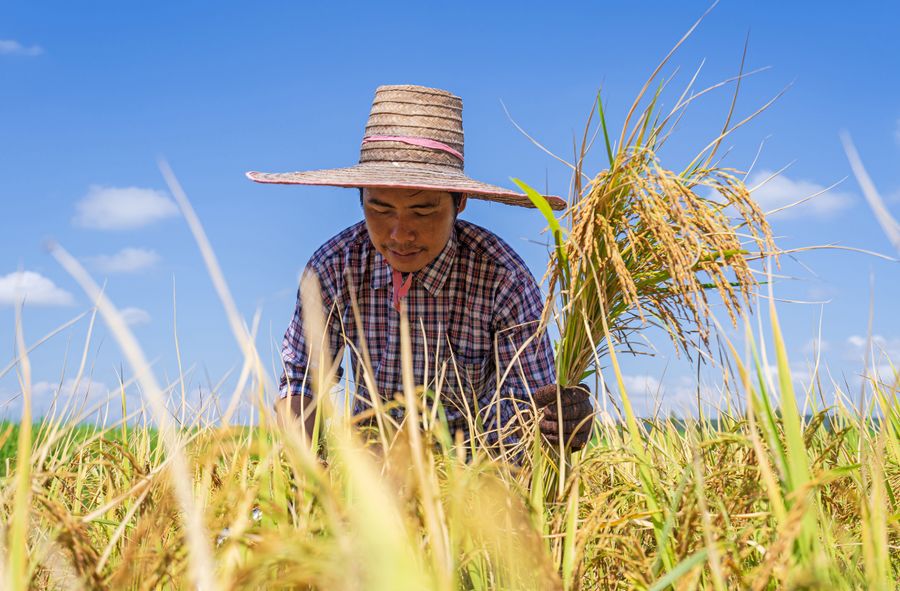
x=407 y=264
x=406 y=268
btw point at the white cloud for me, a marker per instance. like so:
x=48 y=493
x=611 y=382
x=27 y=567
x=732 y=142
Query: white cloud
x=127 y=260
x=34 y=288
x=813 y=346
x=69 y=388
x=70 y=396
x=801 y=376
x=780 y=191
x=856 y=341
x=887 y=373
x=881 y=346
x=93 y=399
x=11 y=47
x=120 y=208
x=675 y=395
x=880 y=364
x=642 y=385
x=135 y=316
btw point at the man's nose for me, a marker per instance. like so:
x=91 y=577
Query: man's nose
x=402 y=231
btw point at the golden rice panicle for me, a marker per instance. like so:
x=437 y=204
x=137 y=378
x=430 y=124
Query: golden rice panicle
x=647 y=243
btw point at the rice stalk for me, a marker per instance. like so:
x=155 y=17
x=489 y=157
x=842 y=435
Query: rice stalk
x=357 y=515
x=17 y=566
x=645 y=244
x=200 y=556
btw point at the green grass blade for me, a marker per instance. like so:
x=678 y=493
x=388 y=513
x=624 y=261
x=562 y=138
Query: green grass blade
x=680 y=569
x=541 y=203
x=798 y=470
x=609 y=152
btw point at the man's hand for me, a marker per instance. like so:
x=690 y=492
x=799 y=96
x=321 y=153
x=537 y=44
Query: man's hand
x=294 y=407
x=576 y=415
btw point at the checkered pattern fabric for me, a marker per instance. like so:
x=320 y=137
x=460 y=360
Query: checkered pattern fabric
x=470 y=310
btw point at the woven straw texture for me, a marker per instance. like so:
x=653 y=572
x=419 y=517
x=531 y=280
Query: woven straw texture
x=410 y=112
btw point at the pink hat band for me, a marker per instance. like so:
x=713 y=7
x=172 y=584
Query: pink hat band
x=414 y=141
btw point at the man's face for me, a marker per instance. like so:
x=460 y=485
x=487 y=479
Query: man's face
x=409 y=227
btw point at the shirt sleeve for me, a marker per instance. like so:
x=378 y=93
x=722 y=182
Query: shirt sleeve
x=296 y=379
x=519 y=306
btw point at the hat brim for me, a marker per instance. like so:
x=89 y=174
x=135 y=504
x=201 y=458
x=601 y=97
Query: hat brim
x=400 y=176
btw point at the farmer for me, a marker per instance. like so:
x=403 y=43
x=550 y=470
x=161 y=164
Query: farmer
x=473 y=305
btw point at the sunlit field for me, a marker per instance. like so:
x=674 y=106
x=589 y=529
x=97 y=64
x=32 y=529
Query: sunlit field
x=783 y=485
x=758 y=497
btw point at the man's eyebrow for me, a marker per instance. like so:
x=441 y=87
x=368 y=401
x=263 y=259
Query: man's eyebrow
x=379 y=203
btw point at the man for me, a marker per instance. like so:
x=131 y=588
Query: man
x=474 y=308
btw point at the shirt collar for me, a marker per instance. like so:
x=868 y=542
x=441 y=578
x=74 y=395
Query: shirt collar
x=432 y=277
x=381 y=271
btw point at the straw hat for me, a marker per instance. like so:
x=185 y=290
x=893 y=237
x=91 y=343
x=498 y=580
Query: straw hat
x=414 y=140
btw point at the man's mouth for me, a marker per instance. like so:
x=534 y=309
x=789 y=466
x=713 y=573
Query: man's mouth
x=404 y=253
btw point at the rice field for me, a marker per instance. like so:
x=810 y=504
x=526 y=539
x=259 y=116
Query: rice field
x=760 y=497
x=775 y=490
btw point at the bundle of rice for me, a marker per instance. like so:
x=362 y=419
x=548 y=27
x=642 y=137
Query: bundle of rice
x=645 y=244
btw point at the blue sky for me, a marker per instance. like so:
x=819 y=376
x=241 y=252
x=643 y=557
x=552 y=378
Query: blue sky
x=95 y=93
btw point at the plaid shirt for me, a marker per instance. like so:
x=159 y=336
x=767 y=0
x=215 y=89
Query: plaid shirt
x=470 y=311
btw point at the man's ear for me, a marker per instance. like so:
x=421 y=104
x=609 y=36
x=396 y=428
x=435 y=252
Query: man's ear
x=462 y=204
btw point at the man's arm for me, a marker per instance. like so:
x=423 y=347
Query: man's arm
x=296 y=407
x=532 y=375
x=526 y=358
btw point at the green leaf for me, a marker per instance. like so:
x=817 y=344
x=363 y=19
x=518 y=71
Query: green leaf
x=648 y=114
x=797 y=456
x=541 y=203
x=609 y=152
x=680 y=570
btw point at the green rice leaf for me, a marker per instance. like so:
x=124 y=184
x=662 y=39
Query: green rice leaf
x=681 y=569
x=609 y=152
x=541 y=203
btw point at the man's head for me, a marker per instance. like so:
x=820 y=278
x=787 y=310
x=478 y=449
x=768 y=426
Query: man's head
x=410 y=227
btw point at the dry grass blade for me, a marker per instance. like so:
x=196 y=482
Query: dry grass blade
x=16 y=557
x=890 y=225
x=238 y=327
x=202 y=571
